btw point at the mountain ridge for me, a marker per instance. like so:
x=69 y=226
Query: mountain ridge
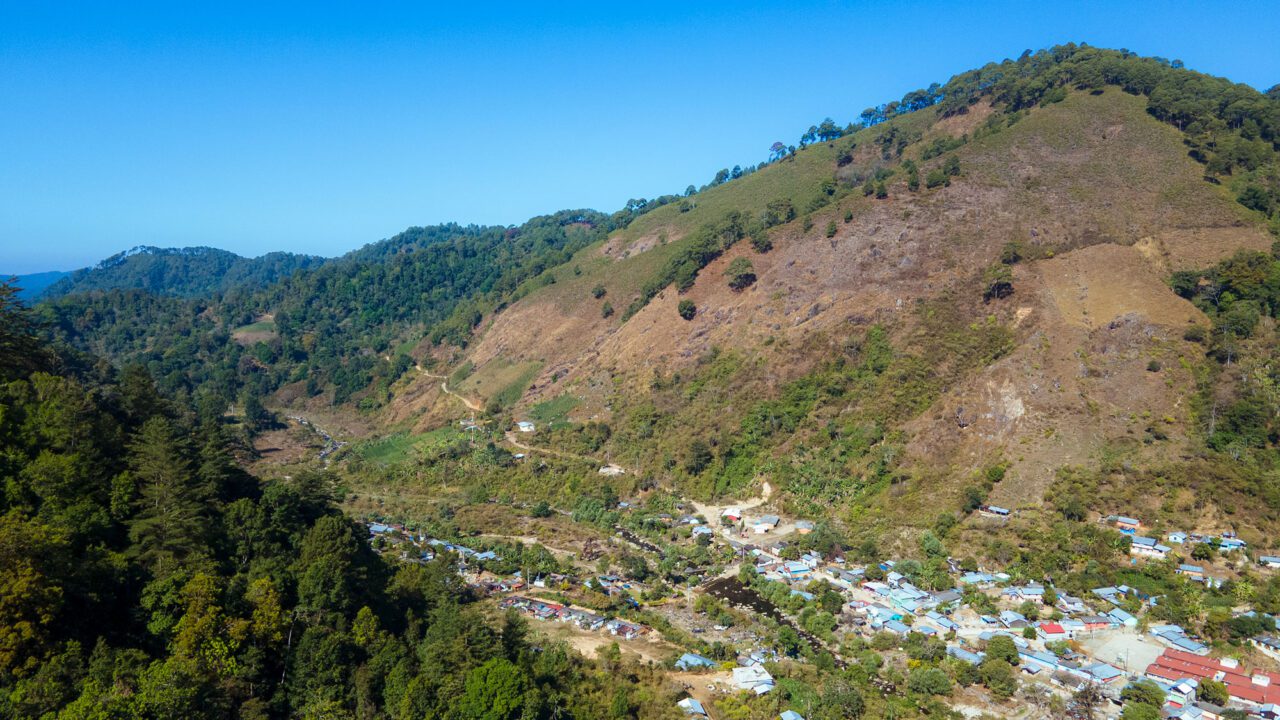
x=182 y=272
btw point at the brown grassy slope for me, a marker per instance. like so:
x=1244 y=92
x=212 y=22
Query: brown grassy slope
x=1093 y=180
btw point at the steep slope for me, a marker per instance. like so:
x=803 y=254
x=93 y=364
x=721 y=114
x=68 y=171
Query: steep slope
x=1092 y=200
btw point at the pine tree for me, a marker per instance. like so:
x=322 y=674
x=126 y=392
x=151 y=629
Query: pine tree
x=171 y=523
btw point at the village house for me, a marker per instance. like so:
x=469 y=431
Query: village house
x=692 y=661
x=525 y=426
x=1269 y=561
x=692 y=707
x=1254 y=691
x=1174 y=636
x=1269 y=645
x=754 y=678
x=1032 y=591
x=973 y=658
x=1070 y=604
x=1051 y=631
x=1148 y=547
x=1120 y=617
x=766 y=523
x=1127 y=525
x=1194 y=572
x=1012 y=619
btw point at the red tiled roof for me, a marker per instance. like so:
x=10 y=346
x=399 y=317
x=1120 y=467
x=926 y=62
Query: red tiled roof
x=1177 y=665
x=1052 y=628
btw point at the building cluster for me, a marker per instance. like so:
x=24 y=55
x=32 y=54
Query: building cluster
x=1181 y=673
x=583 y=619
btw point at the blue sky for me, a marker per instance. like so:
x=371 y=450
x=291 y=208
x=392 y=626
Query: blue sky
x=321 y=127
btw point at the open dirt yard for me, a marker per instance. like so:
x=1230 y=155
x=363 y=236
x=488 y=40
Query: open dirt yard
x=1125 y=649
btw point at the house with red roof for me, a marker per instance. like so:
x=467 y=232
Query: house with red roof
x=1050 y=631
x=1250 y=689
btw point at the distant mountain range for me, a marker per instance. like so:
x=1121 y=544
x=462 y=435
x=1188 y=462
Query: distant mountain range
x=32 y=286
x=177 y=272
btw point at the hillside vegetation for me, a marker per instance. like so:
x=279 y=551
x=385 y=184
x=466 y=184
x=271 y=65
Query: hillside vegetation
x=185 y=272
x=1050 y=284
x=974 y=276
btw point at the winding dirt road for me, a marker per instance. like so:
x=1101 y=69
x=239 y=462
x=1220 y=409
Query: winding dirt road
x=444 y=387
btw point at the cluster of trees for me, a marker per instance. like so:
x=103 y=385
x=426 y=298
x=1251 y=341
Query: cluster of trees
x=1236 y=295
x=1231 y=127
x=144 y=574
x=705 y=244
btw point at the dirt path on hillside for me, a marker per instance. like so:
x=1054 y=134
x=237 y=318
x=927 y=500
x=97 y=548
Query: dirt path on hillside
x=514 y=441
x=444 y=387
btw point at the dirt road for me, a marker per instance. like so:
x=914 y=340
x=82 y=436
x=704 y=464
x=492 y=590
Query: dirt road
x=444 y=387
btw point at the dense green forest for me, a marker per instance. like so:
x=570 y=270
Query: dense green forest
x=143 y=574
x=182 y=272
x=340 y=328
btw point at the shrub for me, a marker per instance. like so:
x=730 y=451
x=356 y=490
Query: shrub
x=598 y=292
x=687 y=309
x=741 y=274
x=831 y=229
x=607 y=310
x=999 y=282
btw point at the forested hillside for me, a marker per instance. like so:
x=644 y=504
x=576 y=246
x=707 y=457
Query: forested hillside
x=186 y=272
x=145 y=574
x=341 y=330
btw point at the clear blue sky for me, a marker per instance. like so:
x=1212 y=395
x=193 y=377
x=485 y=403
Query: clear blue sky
x=319 y=128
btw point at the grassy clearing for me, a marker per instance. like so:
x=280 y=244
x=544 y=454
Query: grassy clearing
x=554 y=411
x=401 y=447
x=262 y=326
x=500 y=380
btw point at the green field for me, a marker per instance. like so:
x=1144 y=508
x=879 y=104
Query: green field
x=400 y=447
x=555 y=411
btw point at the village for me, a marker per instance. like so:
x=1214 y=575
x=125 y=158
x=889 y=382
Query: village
x=1101 y=640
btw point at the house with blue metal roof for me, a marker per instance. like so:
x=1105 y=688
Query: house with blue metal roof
x=692 y=661
x=691 y=706
x=897 y=627
x=1120 y=617
x=960 y=653
x=1148 y=547
x=1012 y=619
